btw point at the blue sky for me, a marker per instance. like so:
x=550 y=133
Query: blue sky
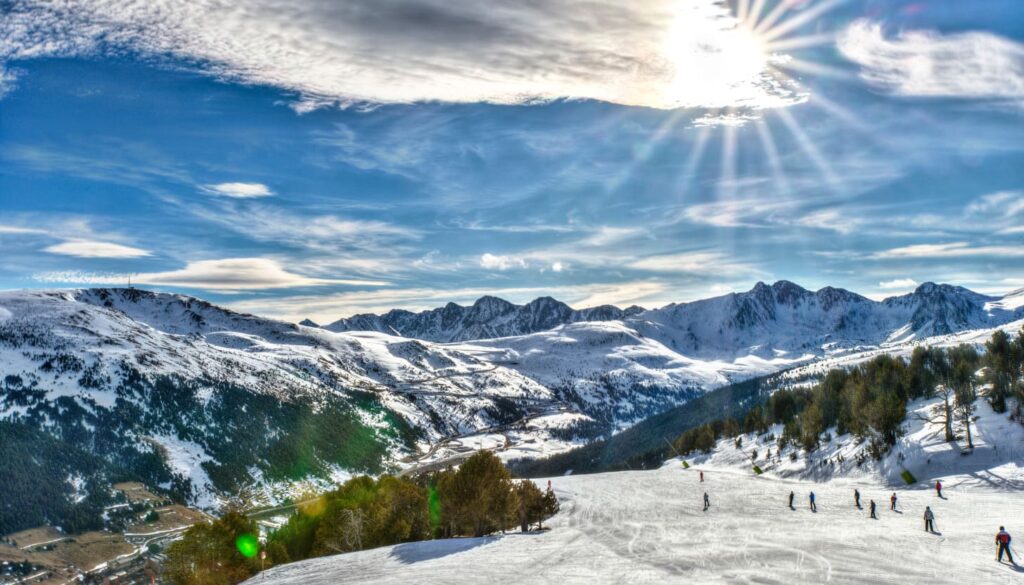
x=313 y=159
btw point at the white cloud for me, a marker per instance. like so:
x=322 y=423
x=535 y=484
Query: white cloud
x=501 y=262
x=368 y=248
x=752 y=212
x=93 y=249
x=19 y=230
x=929 y=64
x=659 y=53
x=898 y=283
x=698 y=262
x=557 y=267
x=232 y=274
x=239 y=190
x=1002 y=204
x=950 y=250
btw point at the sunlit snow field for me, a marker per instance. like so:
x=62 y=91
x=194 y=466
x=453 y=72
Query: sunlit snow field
x=649 y=527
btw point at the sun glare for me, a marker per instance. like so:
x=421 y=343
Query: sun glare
x=727 y=62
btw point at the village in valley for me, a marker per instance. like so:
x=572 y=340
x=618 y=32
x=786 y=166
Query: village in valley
x=128 y=550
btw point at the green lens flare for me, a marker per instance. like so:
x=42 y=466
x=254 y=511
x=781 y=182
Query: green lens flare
x=434 y=507
x=247 y=545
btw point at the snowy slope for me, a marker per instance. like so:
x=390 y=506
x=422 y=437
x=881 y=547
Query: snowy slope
x=155 y=371
x=649 y=527
x=997 y=459
x=614 y=368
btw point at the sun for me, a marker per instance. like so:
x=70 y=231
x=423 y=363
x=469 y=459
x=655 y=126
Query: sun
x=713 y=60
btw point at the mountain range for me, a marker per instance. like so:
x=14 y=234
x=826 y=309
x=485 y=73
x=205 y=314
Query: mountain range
x=487 y=318
x=210 y=405
x=764 y=320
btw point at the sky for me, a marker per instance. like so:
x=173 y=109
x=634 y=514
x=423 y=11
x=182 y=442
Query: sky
x=316 y=159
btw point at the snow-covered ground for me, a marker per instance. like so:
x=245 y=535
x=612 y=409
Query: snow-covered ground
x=649 y=527
x=996 y=460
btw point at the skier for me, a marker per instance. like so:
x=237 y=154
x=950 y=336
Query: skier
x=814 y=508
x=791 y=495
x=707 y=502
x=929 y=519
x=892 y=502
x=702 y=477
x=938 y=488
x=856 y=497
x=873 y=510
x=1003 y=543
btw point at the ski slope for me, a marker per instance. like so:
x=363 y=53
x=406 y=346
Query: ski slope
x=649 y=527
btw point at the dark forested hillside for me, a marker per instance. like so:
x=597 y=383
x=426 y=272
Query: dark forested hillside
x=648 y=443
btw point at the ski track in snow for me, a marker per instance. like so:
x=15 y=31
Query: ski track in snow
x=649 y=527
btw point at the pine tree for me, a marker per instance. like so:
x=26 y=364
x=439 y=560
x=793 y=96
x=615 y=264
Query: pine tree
x=963 y=382
x=549 y=507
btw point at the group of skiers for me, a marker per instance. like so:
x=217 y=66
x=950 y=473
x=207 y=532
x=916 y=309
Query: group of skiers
x=1002 y=537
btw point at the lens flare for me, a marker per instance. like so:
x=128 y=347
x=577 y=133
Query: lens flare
x=247 y=545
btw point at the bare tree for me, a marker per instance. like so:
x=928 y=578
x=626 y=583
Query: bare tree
x=966 y=394
x=347 y=536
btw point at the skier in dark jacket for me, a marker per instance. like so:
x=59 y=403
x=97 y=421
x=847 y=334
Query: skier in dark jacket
x=1003 y=542
x=892 y=502
x=791 y=495
x=814 y=507
x=707 y=502
x=873 y=515
x=856 y=497
x=929 y=519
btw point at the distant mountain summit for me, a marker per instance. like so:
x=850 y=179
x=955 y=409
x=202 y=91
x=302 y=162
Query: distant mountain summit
x=488 y=318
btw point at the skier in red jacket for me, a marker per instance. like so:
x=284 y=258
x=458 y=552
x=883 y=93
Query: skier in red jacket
x=938 y=488
x=1003 y=542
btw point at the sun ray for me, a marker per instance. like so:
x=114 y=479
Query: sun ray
x=726 y=187
x=808 y=147
x=839 y=112
x=768 y=144
x=694 y=160
x=804 y=66
x=646 y=149
x=772 y=17
x=754 y=14
x=742 y=10
x=799 y=20
x=789 y=44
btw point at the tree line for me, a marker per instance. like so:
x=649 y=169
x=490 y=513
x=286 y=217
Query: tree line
x=870 y=400
x=478 y=498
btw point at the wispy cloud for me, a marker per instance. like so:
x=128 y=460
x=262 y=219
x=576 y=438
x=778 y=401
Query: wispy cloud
x=330 y=242
x=973 y=64
x=950 y=250
x=696 y=262
x=232 y=274
x=1002 y=204
x=239 y=190
x=662 y=53
x=93 y=249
